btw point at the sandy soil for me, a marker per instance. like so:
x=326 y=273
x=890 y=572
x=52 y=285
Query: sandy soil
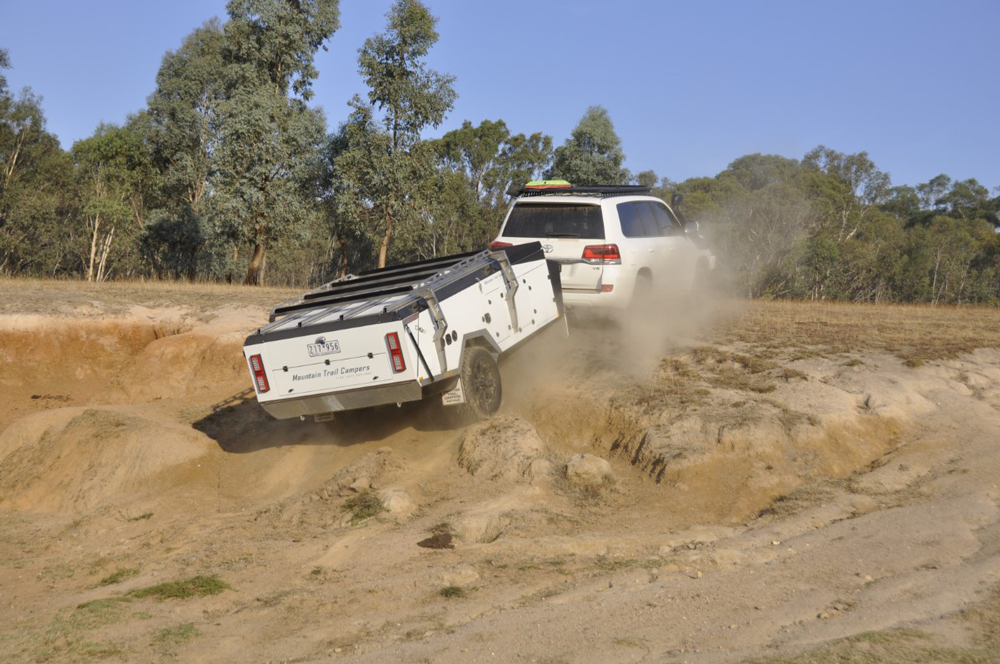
x=801 y=501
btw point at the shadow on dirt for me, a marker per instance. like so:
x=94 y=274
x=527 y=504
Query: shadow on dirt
x=240 y=425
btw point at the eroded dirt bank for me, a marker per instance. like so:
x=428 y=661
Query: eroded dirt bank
x=758 y=499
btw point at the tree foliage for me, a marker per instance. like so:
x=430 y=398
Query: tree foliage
x=266 y=160
x=381 y=163
x=228 y=171
x=593 y=152
x=37 y=188
x=833 y=227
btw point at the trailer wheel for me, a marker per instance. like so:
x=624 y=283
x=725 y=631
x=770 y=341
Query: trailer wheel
x=481 y=381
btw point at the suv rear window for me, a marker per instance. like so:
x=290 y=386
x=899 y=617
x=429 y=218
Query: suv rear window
x=555 y=220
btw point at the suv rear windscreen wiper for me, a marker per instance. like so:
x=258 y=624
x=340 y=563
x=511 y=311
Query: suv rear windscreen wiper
x=562 y=235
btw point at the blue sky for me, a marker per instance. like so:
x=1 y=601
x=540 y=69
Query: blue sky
x=690 y=86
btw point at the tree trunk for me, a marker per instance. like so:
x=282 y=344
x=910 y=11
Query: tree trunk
x=343 y=259
x=93 y=247
x=255 y=273
x=105 y=251
x=384 y=249
x=937 y=264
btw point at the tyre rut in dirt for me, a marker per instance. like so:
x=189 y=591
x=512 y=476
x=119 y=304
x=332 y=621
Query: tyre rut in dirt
x=481 y=381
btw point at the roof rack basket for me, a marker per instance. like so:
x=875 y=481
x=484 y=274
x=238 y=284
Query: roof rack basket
x=603 y=191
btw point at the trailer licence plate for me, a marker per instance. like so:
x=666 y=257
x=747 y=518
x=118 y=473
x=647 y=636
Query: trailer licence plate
x=323 y=347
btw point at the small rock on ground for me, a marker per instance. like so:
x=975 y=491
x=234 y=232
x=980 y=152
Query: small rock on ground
x=588 y=470
x=396 y=501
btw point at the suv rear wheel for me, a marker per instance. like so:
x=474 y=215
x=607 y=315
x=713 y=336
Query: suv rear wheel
x=642 y=294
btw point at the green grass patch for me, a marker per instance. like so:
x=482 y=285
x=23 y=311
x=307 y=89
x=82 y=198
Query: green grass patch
x=196 y=586
x=452 y=592
x=363 y=506
x=119 y=575
x=97 y=613
x=175 y=636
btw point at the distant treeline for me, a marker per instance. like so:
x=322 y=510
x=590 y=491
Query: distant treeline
x=228 y=175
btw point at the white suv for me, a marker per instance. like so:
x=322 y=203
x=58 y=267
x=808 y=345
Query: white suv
x=616 y=245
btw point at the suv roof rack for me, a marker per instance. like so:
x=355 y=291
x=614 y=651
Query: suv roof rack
x=604 y=191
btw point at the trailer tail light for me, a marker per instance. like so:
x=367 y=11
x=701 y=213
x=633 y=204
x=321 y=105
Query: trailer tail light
x=606 y=254
x=607 y=288
x=496 y=246
x=259 y=377
x=395 y=352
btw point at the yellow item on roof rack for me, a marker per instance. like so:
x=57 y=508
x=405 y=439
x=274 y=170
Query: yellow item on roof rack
x=547 y=184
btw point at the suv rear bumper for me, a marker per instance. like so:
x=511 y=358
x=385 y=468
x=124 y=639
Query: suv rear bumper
x=619 y=297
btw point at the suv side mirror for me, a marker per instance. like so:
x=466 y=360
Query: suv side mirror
x=691 y=228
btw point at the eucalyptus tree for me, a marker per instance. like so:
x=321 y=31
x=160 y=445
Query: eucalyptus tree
x=37 y=192
x=270 y=140
x=384 y=165
x=490 y=159
x=593 y=152
x=183 y=116
x=115 y=175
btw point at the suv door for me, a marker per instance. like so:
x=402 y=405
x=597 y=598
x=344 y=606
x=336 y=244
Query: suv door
x=657 y=247
x=678 y=255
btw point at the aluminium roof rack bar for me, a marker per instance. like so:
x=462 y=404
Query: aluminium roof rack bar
x=427 y=266
x=427 y=262
x=373 y=283
x=349 y=297
x=352 y=285
x=599 y=190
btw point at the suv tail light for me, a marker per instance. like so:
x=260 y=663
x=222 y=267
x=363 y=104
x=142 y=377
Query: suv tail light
x=606 y=254
x=494 y=246
x=395 y=352
x=259 y=377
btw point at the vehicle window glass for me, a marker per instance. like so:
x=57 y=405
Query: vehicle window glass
x=648 y=219
x=668 y=225
x=631 y=223
x=555 y=220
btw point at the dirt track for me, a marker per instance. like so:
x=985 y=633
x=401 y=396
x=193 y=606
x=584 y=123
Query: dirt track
x=764 y=502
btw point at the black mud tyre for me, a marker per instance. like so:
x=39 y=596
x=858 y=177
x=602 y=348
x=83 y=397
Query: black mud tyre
x=481 y=384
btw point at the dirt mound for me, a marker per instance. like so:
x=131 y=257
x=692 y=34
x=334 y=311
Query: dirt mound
x=503 y=448
x=73 y=460
x=127 y=360
x=35 y=347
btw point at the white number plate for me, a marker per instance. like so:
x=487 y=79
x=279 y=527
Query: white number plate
x=324 y=348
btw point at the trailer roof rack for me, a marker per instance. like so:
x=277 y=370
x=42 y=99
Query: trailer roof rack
x=603 y=191
x=372 y=287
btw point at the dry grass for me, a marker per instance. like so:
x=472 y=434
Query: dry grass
x=907 y=645
x=81 y=299
x=913 y=333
